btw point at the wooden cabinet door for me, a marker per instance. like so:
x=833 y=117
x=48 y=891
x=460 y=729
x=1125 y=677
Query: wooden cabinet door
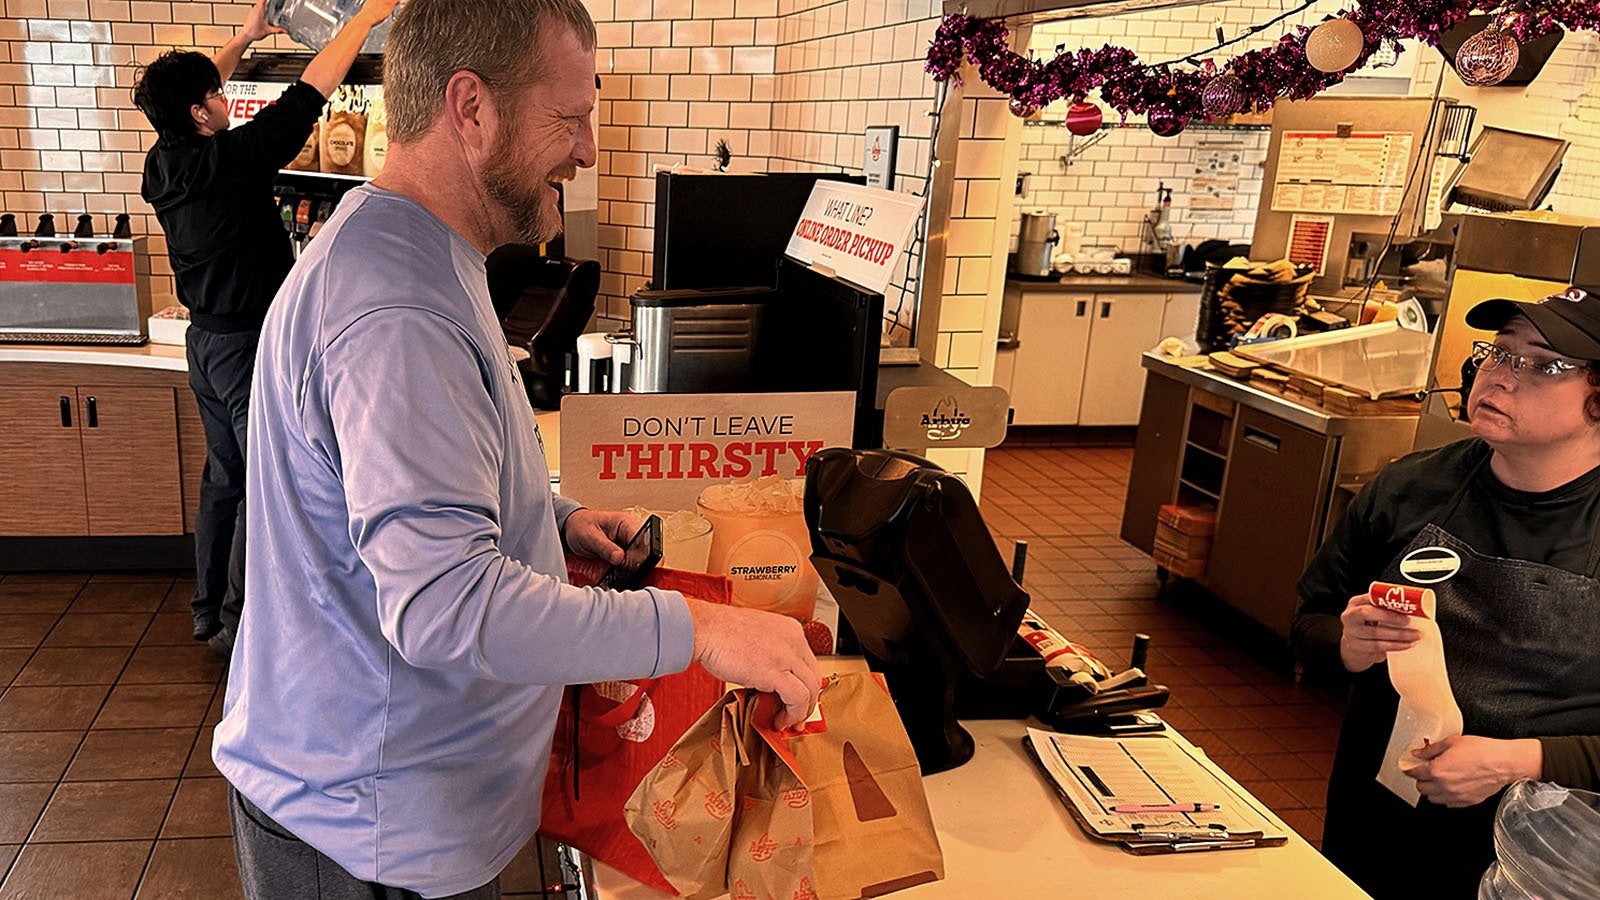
x=1125 y=325
x=1047 y=379
x=191 y=454
x=1273 y=502
x=41 y=463
x=1181 y=316
x=130 y=460
x=1157 y=453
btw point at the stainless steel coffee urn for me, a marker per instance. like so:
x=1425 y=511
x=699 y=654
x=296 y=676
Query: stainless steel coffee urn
x=1036 y=244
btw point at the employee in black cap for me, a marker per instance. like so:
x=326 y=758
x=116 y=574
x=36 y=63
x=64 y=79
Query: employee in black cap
x=1520 y=620
x=211 y=187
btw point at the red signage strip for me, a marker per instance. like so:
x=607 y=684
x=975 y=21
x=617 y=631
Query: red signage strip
x=48 y=265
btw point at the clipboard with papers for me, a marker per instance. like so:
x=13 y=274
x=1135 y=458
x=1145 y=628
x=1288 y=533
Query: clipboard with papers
x=1151 y=794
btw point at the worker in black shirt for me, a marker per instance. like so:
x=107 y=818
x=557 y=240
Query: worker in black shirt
x=211 y=187
x=1519 y=618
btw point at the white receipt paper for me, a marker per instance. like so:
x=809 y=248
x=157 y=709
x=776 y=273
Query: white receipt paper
x=1428 y=710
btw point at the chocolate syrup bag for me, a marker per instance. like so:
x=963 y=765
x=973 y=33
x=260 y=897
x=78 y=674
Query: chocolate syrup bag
x=306 y=160
x=343 y=135
x=836 y=813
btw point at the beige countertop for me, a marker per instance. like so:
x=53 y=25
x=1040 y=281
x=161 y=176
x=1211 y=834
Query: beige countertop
x=1005 y=834
x=150 y=356
x=1106 y=284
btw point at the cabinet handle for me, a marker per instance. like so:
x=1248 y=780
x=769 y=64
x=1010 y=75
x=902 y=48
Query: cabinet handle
x=66 y=411
x=1261 y=439
x=93 y=413
x=1105 y=310
x=1083 y=308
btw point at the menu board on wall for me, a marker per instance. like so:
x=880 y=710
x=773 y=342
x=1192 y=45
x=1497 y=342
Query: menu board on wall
x=1363 y=173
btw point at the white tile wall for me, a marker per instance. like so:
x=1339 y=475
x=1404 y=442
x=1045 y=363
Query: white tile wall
x=1110 y=186
x=1563 y=101
x=789 y=84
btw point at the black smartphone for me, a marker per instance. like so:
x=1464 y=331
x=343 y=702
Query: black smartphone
x=639 y=557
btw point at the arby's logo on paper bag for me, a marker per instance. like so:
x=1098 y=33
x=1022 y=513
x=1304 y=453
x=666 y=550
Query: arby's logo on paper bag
x=1399 y=598
x=718 y=805
x=763 y=847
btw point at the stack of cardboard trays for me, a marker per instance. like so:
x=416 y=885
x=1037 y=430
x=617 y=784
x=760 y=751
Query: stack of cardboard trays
x=1183 y=538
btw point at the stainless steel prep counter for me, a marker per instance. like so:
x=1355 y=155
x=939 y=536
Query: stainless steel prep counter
x=1278 y=473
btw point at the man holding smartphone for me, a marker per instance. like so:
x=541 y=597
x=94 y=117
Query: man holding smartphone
x=394 y=692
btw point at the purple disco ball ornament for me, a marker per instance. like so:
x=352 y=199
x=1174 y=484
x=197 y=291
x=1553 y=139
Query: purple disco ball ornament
x=1021 y=109
x=1084 y=118
x=1166 y=123
x=1487 y=57
x=1223 y=96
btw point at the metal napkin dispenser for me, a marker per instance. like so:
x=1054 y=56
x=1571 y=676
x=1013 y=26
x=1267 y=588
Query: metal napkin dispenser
x=74 y=290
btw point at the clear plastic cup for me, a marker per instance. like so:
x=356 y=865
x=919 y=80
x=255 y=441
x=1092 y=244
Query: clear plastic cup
x=759 y=540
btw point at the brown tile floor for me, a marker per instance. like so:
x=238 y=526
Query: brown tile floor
x=1231 y=692
x=107 y=788
x=106 y=783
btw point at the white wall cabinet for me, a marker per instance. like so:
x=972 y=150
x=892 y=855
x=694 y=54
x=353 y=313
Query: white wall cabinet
x=1077 y=357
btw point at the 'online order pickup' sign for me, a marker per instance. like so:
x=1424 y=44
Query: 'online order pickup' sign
x=856 y=231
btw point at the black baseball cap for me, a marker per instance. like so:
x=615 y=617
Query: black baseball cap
x=1569 y=320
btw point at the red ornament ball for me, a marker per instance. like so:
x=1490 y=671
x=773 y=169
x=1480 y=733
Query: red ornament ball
x=1084 y=118
x=1223 y=96
x=1021 y=109
x=1166 y=123
x=1487 y=57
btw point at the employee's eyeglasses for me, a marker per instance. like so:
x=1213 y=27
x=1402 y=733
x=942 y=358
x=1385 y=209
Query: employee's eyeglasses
x=212 y=95
x=1542 y=369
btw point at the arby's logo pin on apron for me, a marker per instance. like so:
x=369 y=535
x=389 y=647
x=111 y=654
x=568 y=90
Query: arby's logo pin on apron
x=1430 y=565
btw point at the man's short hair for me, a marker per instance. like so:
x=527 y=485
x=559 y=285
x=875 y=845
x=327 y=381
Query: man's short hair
x=499 y=40
x=170 y=87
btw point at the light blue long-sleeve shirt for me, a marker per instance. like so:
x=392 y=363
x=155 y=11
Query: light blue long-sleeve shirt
x=407 y=623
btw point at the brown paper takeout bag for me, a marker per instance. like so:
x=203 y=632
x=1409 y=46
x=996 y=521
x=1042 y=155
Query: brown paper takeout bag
x=871 y=827
x=837 y=813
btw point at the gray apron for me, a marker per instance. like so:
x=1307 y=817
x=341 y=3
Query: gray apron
x=1522 y=647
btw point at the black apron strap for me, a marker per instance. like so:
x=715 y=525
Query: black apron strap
x=1594 y=553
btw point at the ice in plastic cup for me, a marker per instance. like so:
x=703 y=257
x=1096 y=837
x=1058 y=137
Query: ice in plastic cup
x=760 y=541
x=685 y=539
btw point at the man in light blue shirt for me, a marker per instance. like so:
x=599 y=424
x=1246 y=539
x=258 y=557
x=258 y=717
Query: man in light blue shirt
x=389 y=712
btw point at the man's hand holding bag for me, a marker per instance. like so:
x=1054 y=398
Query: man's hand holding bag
x=835 y=813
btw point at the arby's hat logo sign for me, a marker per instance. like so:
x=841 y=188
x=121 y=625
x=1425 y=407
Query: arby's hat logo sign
x=1430 y=565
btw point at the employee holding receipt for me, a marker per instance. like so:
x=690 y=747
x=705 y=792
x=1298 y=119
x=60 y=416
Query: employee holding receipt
x=1519 y=506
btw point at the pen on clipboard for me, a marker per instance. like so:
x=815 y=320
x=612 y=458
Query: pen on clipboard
x=1164 y=807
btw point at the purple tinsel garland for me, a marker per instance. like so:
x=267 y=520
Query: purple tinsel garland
x=1130 y=86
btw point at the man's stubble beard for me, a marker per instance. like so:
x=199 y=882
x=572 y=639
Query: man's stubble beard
x=505 y=180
